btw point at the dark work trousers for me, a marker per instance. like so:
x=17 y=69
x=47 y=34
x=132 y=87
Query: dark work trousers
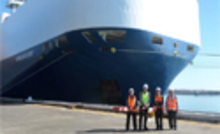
x=145 y=114
x=159 y=119
x=128 y=120
x=172 y=119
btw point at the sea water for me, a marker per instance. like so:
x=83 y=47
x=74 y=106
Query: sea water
x=199 y=103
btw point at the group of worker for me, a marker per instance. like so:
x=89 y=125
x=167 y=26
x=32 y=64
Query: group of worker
x=158 y=107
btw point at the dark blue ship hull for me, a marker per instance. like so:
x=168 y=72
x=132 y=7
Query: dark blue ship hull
x=91 y=72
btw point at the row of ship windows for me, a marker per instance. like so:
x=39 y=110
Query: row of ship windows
x=119 y=36
x=59 y=42
x=159 y=41
x=107 y=36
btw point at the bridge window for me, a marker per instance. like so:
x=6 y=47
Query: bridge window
x=46 y=47
x=62 y=41
x=176 y=45
x=157 y=40
x=56 y=43
x=190 y=48
x=112 y=35
x=52 y=44
x=88 y=36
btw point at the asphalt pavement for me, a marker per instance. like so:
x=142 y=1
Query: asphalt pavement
x=40 y=119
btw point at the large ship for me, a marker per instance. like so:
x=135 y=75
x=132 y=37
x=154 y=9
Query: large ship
x=94 y=50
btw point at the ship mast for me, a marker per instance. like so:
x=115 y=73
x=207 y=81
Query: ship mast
x=14 y=4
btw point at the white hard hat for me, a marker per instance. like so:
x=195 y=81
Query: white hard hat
x=145 y=85
x=171 y=89
x=131 y=89
x=158 y=89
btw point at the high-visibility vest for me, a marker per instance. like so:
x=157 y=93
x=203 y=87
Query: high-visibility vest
x=158 y=100
x=131 y=101
x=144 y=98
x=172 y=104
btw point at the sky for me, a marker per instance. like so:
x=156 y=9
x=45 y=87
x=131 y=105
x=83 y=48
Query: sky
x=205 y=71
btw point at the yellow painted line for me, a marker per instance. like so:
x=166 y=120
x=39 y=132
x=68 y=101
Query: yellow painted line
x=185 y=122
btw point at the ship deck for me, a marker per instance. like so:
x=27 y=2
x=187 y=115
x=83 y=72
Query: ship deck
x=23 y=118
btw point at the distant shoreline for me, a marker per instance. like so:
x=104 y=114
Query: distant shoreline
x=196 y=92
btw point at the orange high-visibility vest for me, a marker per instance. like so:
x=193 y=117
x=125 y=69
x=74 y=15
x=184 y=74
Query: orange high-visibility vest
x=172 y=104
x=131 y=101
x=158 y=100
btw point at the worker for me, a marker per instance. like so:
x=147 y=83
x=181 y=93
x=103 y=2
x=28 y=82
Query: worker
x=144 y=105
x=172 y=109
x=132 y=109
x=158 y=109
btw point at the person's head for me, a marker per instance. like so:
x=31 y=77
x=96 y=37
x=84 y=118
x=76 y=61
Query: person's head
x=158 y=91
x=145 y=87
x=131 y=91
x=171 y=92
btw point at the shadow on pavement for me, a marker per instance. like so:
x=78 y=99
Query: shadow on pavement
x=120 y=130
x=5 y=103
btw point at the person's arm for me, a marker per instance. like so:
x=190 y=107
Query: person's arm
x=149 y=101
x=140 y=98
x=166 y=103
x=155 y=102
x=136 y=103
x=177 y=107
x=162 y=105
x=127 y=103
